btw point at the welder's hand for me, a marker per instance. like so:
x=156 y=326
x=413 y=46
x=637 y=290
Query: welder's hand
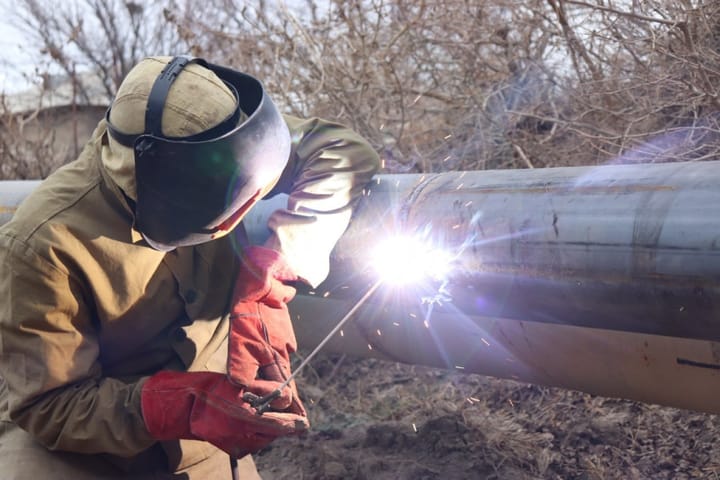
x=261 y=336
x=206 y=406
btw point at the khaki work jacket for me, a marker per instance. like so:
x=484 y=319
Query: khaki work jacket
x=88 y=310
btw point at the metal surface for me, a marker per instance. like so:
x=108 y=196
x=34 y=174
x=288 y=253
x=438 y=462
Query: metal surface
x=629 y=248
x=603 y=280
x=12 y=192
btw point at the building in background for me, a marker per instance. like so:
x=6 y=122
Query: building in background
x=48 y=124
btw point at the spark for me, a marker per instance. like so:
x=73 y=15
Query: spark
x=437 y=299
x=511 y=402
x=382 y=163
x=416 y=99
x=344 y=287
x=414 y=428
x=448 y=136
x=467 y=204
x=396 y=324
x=326 y=294
x=459 y=367
x=413 y=315
x=462 y=175
x=469 y=400
x=459 y=186
x=311 y=292
x=312 y=402
x=369 y=347
x=456 y=226
x=382 y=125
x=485 y=341
x=342 y=334
x=378 y=181
x=447 y=158
x=474 y=399
x=427 y=325
x=379 y=332
x=397 y=183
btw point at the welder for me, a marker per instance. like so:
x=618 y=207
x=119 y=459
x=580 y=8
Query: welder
x=134 y=314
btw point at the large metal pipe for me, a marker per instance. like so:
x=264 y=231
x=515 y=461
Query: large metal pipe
x=599 y=279
x=12 y=192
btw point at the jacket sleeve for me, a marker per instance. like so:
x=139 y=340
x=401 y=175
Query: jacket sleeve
x=328 y=168
x=49 y=360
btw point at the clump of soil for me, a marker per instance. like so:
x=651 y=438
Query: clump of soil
x=378 y=420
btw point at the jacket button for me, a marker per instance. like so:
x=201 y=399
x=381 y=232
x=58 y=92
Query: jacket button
x=190 y=296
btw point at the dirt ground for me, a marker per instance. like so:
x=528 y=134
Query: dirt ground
x=378 y=420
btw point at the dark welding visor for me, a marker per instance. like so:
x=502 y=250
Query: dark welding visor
x=193 y=189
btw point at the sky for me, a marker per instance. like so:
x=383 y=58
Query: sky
x=13 y=61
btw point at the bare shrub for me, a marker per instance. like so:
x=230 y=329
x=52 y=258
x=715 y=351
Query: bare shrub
x=36 y=142
x=466 y=85
x=106 y=37
x=25 y=156
x=440 y=85
x=88 y=45
x=647 y=93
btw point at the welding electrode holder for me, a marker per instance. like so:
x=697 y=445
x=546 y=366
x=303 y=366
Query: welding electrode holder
x=261 y=404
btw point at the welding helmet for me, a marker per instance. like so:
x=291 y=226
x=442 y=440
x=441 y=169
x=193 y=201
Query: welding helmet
x=195 y=182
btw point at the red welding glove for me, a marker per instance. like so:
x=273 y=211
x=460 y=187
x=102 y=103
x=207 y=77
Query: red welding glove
x=261 y=335
x=206 y=406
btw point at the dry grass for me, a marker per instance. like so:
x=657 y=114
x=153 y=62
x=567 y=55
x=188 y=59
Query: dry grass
x=378 y=420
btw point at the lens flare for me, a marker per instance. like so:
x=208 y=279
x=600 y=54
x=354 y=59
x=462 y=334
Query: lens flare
x=403 y=259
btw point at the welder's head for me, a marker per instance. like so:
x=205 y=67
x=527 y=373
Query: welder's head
x=195 y=145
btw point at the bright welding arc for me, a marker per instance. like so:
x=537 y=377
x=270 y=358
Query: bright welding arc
x=404 y=259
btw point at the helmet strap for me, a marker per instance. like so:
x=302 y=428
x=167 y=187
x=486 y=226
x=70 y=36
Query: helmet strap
x=159 y=93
